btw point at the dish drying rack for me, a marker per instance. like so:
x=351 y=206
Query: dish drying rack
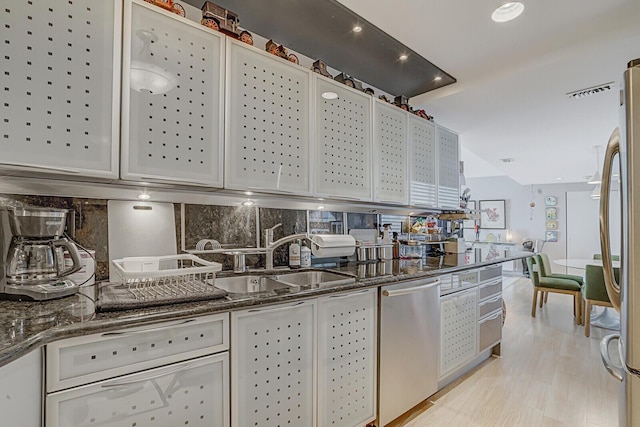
x=149 y=281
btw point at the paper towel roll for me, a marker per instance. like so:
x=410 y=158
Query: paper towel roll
x=332 y=245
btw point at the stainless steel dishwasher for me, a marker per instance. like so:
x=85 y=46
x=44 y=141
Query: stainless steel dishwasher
x=409 y=341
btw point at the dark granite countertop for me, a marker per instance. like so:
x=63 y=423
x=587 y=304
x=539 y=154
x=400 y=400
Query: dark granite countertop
x=28 y=325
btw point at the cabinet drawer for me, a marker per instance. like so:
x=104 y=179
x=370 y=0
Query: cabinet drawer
x=490 y=330
x=193 y=393
x=490 y=289
x=489 y=305
x=90 y=358
x=492 y=272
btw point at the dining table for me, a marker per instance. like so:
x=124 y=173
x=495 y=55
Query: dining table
x=601 y=317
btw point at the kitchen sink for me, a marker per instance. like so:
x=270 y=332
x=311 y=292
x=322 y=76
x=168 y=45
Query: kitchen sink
x=252 y=284
x=314 y=279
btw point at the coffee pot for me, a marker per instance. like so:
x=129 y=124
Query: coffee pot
x=34 y=261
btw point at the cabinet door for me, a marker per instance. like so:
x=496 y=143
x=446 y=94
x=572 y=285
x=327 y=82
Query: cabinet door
x=448 y=169
x=273 y=366
x=342 y=142
x=60 y=87
x=459 y=330
x=347 y=359
x=193 y=393
x=267 y=122
x=21 y=391
x=172 y=98
x=423 y=177
x=391 y=154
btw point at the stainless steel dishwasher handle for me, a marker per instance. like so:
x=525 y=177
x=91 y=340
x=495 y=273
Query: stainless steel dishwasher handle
x=398 y=292
x=616 y=372
x=350 y=294
x=142 y=331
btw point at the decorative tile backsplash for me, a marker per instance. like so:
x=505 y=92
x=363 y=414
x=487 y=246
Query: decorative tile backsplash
x=232 y=226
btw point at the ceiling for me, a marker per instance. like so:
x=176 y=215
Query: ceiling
x=510 y=99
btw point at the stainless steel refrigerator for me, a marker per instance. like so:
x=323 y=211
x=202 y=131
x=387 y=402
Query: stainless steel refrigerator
x=623 y=150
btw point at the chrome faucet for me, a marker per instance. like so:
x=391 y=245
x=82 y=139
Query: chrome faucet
x=271 y=246
x=268 y=235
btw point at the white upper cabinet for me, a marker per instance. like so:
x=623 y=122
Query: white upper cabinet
x=172 y=97
x=390 y=135
x=423 y=167
x=342 y=141
x=267 y=122
x=60 y=87
x=448 y=169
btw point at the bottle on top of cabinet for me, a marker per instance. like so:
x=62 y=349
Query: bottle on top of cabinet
x=294 y=254
x=305 y=255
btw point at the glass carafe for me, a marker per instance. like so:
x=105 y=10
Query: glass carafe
x=33 y=261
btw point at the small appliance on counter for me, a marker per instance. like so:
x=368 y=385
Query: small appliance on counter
x=32 y=254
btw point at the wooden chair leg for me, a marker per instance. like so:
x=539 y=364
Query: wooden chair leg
x=535 y=302
x=542 y=294
x=546 y=297
x=587 y=318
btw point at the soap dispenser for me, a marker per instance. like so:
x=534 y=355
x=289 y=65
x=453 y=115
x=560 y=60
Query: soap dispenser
x=294 y=254
x=305 y=255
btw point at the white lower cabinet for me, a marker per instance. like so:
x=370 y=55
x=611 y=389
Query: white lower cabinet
x=459 y=330
x=193 y=393
x=21 y=391
x=273 y=368
x=347 y=359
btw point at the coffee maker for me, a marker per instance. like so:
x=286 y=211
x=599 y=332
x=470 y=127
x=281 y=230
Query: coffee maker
x=32 y=262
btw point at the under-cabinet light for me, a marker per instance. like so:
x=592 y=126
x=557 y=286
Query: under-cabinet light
x=357 y=29
x=247 y=203
x=437 y=78
x=144 y=196
x=320 y=208
x=403 y=57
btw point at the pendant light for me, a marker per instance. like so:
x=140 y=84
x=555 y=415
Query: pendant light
x=596 y=179
x=147 y=76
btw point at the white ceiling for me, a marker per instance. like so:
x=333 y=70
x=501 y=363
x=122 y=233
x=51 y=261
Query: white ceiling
x=510 y=99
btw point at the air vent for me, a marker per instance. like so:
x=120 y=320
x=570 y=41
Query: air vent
x=508 y=160
x=590 y=91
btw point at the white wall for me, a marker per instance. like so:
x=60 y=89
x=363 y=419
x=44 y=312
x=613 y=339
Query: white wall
x=521 y=219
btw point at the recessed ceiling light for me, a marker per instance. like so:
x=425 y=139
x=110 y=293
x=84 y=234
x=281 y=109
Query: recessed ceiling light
x=403 y=57
x=437 y=78
x=144 y=196
x=507 y=11
x=329 y=95
x=357 y=29
x=559 y=178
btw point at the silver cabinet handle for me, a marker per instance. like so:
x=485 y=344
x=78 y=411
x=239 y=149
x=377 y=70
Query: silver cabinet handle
x=142 y=331
x=395 y=202
x=398 y=292
x=615 y=371
x=485 y=285
x=350 y=294
x=271 y=190
x=43 y=168
x=137 y=380
x=275 y=309
x=492 y=300
x=493 y=317
x=173 y=180
x=613 y=288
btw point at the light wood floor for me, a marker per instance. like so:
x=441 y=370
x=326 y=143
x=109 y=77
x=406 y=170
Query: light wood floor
x=549 y=374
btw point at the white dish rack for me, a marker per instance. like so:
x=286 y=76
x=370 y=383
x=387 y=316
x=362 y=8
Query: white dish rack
x=167 y=277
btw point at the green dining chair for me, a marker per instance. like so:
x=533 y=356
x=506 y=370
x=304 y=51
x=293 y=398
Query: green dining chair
x=613 y=257
x=542 y=284
x=545 y=270
x=594 y=291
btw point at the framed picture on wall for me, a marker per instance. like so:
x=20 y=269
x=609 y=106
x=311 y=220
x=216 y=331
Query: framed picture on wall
x=492 y=214
x=551 y=213
x=551 y=236
x=550 y=201
x=470 y=223
x=552 y=225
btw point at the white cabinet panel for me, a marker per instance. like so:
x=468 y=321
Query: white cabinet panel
x=21 y=391
x=171 y=134
x=193 y=393
x=347 y=359
x=391 y=153
x=459 y=330
x=448 y=169
x=267 y=122
x=84 y=359
x=60 y=87
x=273 y=376
x=422 y=159
x=342 y=142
